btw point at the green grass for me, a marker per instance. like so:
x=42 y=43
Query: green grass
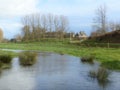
x=100 y=44
x=27 y=58
x=101 y=54
x=111 y=64
x=7 y=53
x=6 y=58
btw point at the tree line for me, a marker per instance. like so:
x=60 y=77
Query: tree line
x=37 y=26
x=41 y=26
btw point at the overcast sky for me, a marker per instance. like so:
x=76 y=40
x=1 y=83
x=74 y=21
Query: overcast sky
x=79 y=12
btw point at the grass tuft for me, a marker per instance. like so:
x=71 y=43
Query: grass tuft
x=88 y=59
x=101 y=75
x=27 y=58
x=6 y=59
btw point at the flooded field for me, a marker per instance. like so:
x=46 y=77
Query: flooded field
x=53 y=71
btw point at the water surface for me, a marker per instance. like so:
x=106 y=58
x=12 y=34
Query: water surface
x=54 y=72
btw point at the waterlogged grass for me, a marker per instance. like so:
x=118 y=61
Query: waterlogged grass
x=89 y=58
x=104 y=55
x=101 y=75
x=5 y=66
x=5 y=59
x=27 y=58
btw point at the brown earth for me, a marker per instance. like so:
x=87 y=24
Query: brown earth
x=111 y=37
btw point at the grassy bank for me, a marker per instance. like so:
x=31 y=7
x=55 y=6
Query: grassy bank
x=7 y=53
x=101 y=54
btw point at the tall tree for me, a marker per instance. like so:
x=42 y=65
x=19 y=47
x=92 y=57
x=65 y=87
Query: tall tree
x=63 y=26
x=100 y=20
x=38 y=26
x=114 y=26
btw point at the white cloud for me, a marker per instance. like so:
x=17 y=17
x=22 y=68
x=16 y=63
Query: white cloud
x=17 y=7
x=10 y=10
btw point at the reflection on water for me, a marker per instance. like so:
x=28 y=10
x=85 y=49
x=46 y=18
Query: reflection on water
x=53 y=72
x=103 y=84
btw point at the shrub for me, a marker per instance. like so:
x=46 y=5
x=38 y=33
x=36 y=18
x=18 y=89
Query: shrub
x=27 y=58
x=5 y=59
x=87 y=58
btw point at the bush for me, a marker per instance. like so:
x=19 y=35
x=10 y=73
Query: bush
x=27 y=58
x=87 y=58
x=5 y=59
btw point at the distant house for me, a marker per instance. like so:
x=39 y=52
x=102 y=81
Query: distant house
x=81 y=35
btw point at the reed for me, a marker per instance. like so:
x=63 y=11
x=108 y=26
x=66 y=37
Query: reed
x=101 y=74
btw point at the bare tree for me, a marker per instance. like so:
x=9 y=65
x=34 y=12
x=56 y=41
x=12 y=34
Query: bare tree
x=26 y=28
x=38 y=26
x=63 y=26
x=114 y=26
x=18 y=38
x=101 y=20
x=26 y=33
x=56 y=25
x=50 y=18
